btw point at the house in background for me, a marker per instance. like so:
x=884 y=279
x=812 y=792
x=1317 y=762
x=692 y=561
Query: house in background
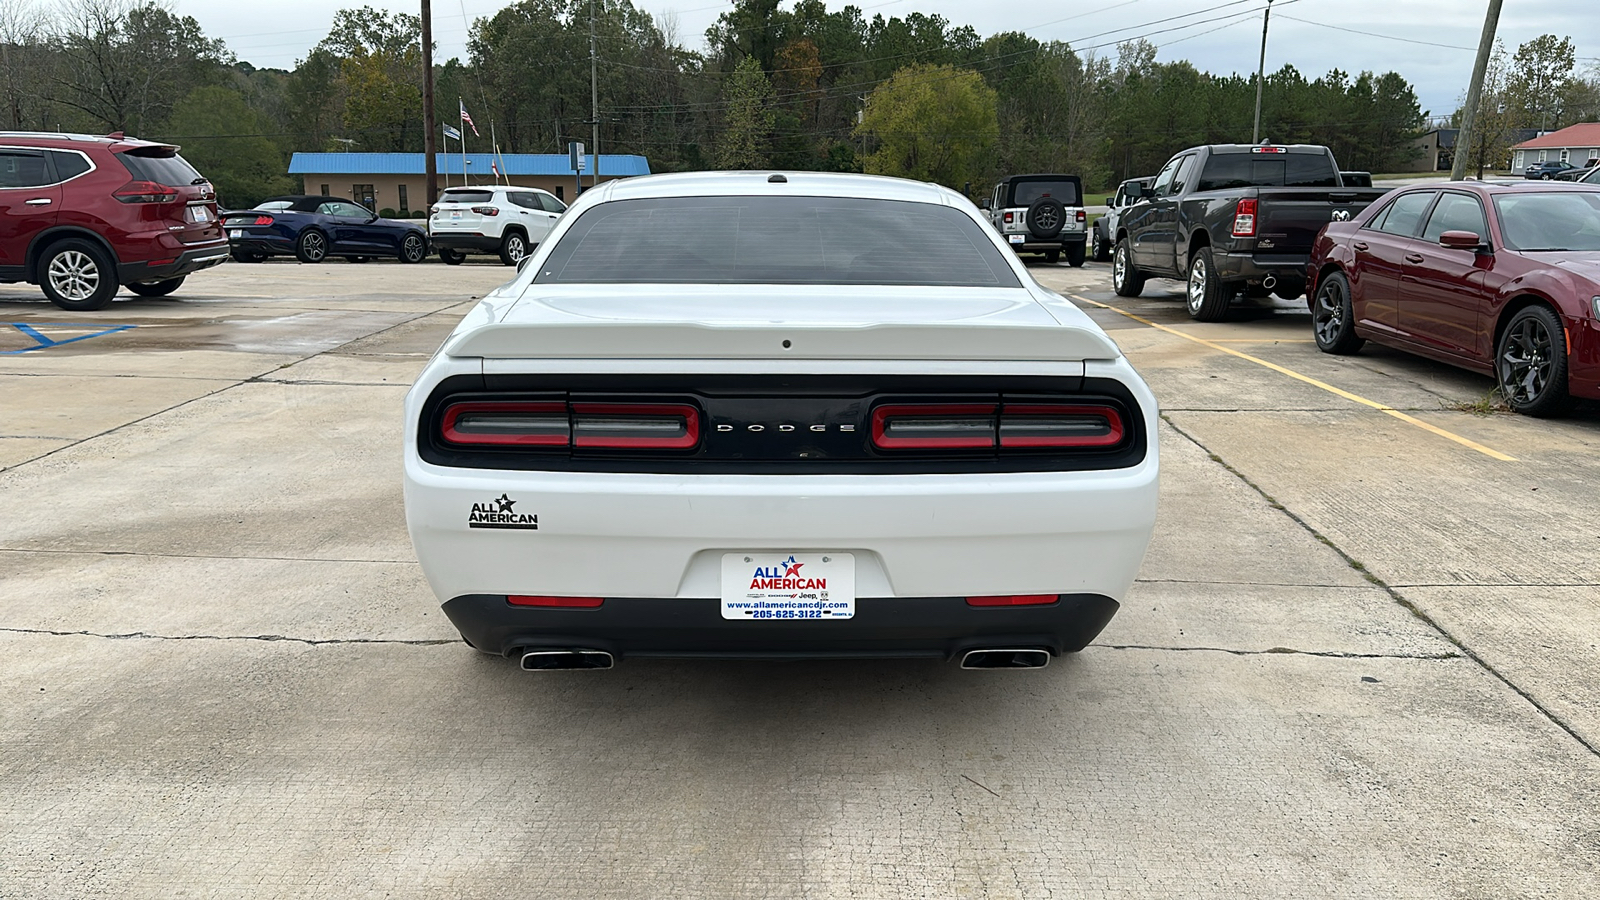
x=397 y=181
x=1575 y=144
x=1437 y=149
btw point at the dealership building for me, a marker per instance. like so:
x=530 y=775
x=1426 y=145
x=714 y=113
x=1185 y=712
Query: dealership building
x=397 y=181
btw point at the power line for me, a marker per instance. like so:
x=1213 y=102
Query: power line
x=1387 y=37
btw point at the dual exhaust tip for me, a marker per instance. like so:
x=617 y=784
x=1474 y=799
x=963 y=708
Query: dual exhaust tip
x=1006 y=658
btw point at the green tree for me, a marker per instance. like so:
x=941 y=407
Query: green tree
x=221 y=135
x=746 y=138
x=1538 y=81
x=932 y=123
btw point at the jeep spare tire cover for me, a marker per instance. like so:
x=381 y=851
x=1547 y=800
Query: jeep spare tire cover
x=1046 y=217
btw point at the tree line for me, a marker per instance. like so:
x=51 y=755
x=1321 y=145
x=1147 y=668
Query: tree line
x=806 y=87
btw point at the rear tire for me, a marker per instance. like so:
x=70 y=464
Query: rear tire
x=1075 y=255
x=312 y=247
x=451 y=257
x=1102 y=247
x=157 y=288
x=1125 y=279
x=413 y=248
x=1333 y=317
x=513 y=248
x=1206 y=297
x=1531 y=363
x=77 y=275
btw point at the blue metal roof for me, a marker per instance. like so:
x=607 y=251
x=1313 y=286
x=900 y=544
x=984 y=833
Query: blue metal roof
x=450 y=164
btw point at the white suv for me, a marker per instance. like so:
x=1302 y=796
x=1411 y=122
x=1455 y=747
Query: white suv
x=510 y=221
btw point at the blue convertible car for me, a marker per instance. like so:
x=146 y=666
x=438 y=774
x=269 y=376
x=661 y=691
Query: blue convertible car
x=312 y=228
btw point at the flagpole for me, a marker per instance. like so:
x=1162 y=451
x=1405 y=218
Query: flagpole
x=462 y=105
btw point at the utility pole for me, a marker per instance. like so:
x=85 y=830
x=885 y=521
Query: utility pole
x=430 y=165
x=1261 y=73
x=594 y=101
x=1469 y=115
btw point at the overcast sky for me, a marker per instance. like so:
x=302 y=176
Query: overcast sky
x=1225 y=39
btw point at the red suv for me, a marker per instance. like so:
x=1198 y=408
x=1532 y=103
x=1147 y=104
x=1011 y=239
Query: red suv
x=80 y=215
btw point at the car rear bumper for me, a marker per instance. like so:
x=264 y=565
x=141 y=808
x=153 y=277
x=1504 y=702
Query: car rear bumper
x=194 y=259
x=447 y=240
x=1257 y=266
x=937 y=627
x=1031 y=244
x=1583 y=362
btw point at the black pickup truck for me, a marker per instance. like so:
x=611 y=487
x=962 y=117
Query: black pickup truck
x=1233 y=219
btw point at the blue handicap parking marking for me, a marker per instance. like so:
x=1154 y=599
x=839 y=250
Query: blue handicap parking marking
x=43 y=341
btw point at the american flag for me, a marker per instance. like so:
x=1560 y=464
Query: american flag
x=468 y=119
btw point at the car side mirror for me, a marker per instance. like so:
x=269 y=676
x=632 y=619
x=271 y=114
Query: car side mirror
x=984 y=203
x=1134 y=192
x=1461 y=240
x=523 y=263
x=372 y=217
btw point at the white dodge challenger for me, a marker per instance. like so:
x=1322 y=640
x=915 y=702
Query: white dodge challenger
x=778 y=416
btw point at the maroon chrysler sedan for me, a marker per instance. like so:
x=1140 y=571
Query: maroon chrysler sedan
x=1499 y=279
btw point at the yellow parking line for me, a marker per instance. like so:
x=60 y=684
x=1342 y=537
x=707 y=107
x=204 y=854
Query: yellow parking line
x=1355 y=398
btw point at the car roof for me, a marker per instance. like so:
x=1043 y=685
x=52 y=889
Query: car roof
x=296 y=200
x=66 y=140
x=1054 y=175
x=1509 y=187
x=801 y=184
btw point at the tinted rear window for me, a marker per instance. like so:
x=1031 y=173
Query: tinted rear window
x=1225 y=171
x=776 y=240
x=172 y=171
x=1025 y=192
x=467 y=197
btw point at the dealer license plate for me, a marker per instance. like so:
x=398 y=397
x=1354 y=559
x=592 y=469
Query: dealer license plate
x=788 y=586
x=1017 y=238
x=236 y=233
x=455 y=215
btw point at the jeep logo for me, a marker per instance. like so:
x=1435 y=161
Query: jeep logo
x=1341 y=215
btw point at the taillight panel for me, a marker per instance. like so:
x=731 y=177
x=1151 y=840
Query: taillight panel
x=146 y=192
x=1244 y=218
x=507 y=424
x=761 y=424
x=563 y=425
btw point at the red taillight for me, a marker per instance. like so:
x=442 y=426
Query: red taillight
x=146 y=192
x=486 y=210
x=1244 y=218
x=635 y=426
x=934 y=426
x=1047 y=425
x=557 y=602
x=1082 y=216
x=1009 y=217
x=1013 y=600
x=508 y=424
x=1268 y=150
x=263 y=220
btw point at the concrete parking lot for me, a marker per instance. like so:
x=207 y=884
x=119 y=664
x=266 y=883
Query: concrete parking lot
x=1362 y=659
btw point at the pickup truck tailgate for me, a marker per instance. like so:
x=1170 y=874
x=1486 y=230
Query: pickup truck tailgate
x=1288 y=219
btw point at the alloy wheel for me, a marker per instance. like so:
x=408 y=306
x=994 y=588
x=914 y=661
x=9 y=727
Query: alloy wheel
x=314 y=245
x=1328 y=317
x=74 y=275
x=515 y=248
x=1119 y=266
x=1525 y=361
x=1197 y=283
x=413 y=248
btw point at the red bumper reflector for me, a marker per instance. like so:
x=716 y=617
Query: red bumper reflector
x=559 y=602
x=1014 y=600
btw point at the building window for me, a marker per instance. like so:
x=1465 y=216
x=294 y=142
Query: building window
x=1594 y=153
x=1542 y=155
x=324 y=190
x=404 y=206
x=561 y=192
x=1563 y=156
x=365 y=194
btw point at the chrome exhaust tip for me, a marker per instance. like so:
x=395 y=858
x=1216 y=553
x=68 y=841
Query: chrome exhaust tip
x=1269 y=282
x=548 y=660
x=1005 y=659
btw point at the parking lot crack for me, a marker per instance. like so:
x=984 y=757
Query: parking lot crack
x=1394 y=594
x=1285 y=651
x=264 y=638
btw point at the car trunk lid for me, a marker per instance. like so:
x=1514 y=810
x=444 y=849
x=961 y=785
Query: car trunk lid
x=774 y=322
x=456 y=210
x=169 y=192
